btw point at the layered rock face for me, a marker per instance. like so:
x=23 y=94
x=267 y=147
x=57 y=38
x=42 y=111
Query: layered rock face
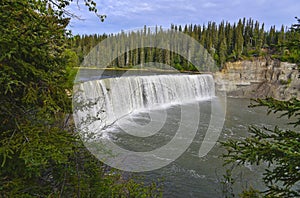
x=260 y=78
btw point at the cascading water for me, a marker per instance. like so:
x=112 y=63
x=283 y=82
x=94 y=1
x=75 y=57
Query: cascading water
x=102 y=102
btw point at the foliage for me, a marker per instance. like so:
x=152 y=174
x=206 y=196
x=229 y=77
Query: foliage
x=285 y=82
x=40 y=156
x=244 y=40
x=227 y=183
x=33 y=97
x=250 y=193
x=277 y=149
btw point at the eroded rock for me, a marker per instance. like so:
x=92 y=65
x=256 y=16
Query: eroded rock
x=260 y=78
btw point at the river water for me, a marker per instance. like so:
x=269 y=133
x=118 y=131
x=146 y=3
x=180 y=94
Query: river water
x=191 y=175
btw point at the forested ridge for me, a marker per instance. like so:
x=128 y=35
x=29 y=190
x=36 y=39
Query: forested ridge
x=245 y=39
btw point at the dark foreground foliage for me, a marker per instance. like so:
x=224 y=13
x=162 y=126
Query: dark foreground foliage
x=277 y=149
x=40 y=156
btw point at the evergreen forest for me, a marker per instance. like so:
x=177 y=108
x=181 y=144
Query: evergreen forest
x=244 y=40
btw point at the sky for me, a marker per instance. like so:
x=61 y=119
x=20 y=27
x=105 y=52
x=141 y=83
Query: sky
x=123 y=15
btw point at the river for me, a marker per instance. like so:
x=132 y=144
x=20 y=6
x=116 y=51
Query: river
x=191 y=175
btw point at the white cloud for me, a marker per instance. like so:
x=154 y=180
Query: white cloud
x=209 y=5
x=125 y=8
x=127 y=14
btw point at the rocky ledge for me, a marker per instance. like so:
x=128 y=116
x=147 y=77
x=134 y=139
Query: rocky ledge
x=260 y=78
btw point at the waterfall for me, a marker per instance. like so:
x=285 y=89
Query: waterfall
x=102 y=102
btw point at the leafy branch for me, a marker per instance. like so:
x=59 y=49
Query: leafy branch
x=276 y=149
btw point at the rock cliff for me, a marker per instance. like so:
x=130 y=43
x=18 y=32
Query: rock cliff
x=260 y=78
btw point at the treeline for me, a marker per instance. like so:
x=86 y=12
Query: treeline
x=225 y=42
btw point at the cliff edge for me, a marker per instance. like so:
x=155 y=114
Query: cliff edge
x=260 y=78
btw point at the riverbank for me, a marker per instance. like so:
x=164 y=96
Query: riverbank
x=260 y=78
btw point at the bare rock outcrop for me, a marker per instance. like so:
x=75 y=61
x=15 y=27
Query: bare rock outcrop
x=260 y=78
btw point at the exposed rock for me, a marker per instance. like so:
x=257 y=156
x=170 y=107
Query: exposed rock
x=260 y=78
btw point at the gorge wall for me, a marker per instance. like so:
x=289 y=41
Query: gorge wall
x=262 y=77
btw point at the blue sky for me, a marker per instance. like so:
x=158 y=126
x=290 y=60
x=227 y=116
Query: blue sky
x=131 y=14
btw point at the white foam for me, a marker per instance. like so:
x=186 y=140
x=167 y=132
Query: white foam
x=114 y=98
